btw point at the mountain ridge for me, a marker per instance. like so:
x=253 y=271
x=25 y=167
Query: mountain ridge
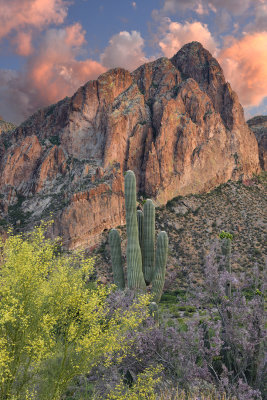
x=176 y=123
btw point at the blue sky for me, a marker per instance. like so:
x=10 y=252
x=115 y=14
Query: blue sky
x=51 y=47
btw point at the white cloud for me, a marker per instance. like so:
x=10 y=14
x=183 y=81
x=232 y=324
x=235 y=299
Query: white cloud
x=125 y=50
x=176 y=35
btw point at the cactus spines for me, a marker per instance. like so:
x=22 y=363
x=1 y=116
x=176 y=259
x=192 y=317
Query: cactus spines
x=160 y=267
x=116 y=259
x=134 y=257
x=149 y=241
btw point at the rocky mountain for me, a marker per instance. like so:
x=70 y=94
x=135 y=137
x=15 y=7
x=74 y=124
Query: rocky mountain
x=175 y=122
x=259 y=126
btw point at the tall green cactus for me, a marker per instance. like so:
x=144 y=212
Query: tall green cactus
x=116 y=259
x=149 y=241
x=161 y=260
x=134 y=257
x=140 y=222
x=142 y=268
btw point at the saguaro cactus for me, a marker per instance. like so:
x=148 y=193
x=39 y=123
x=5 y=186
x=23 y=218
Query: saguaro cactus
x=161 y=260
x=115 y=247
x=134 y=257
x=149 y=241
x=142 y=269
x=227 y=238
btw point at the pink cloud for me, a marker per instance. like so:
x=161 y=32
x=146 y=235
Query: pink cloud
x=52 y=72
x=17 y=15
x=23 y=43
x=245 y=66
x=176 y=35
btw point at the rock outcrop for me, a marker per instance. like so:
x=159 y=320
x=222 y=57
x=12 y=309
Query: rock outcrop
x=176 y=123
x=259 y=126
x=6 y=126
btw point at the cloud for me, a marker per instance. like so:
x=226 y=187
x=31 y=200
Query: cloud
x=243 y=60
x=125 y=50
x=227 y=11
x=51 y=73
x=238 y=7
x=23 y=43
x=176 y=35
x=245 y=66
x=251 y=111
x=16 y=15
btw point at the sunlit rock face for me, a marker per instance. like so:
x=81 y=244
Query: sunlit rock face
x=176 y=123
x=259 y=126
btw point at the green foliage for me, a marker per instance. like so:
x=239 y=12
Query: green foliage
x=55 y=324
x=142 y=265
x=55 y=140
x=225 y=235
x=143 y=388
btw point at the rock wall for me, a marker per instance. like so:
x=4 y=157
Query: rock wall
x=176 y=123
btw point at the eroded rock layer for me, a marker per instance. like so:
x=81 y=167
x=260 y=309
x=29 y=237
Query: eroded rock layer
x=176 y=123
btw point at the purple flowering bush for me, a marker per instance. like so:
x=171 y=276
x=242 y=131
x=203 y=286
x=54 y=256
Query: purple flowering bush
x=221 y=345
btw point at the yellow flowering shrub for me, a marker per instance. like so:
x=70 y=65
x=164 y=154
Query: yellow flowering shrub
x=54 y=322
x=143 y=388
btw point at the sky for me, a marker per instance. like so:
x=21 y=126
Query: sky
x=49 y=48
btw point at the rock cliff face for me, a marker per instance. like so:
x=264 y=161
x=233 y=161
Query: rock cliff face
x=259 y=126
x=176 y=123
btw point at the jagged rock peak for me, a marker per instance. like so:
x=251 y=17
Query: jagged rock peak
x=176 y=123
x=196 y=62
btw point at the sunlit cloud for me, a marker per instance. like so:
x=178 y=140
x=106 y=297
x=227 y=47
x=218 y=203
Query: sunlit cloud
x=125 y=50
x=245 y=65
x=176 y=35
x=22 y=42
x=17 y=15
x=52 y=72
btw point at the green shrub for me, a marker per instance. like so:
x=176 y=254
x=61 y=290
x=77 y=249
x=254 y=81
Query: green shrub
x=55 y=324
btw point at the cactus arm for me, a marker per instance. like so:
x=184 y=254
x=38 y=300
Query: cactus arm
x=161 y=260
x=149 y=241
x=134 y=257
x=116 y=259
x=140 y=222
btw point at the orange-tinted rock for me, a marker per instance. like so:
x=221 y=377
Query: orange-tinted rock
x=21 y=162
x=90 y=213
x=176 y=123
x=53 y=164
